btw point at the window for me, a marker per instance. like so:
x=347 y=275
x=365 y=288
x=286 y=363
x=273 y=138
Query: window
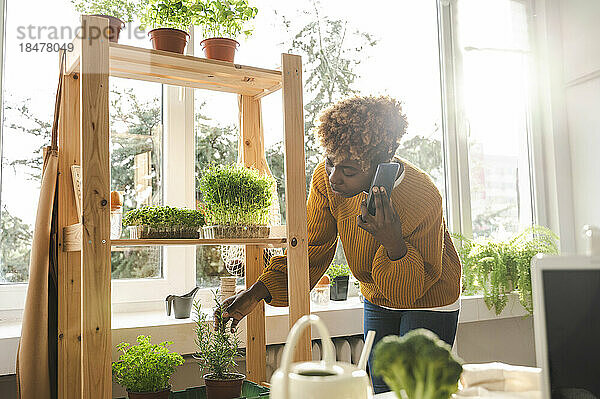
x=493 y=59
x=459 y=67
x=136 y=146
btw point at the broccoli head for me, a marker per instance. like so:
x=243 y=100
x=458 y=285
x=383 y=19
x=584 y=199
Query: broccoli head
x=417 y=365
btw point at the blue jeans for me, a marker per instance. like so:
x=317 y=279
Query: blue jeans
x=398 y=322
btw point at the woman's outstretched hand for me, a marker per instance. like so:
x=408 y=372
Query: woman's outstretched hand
x=385 y=226
x=240 y=305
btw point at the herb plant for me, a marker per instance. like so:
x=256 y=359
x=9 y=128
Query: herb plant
x=174 y=14
x=164 y=216
x=236 y=196
x=337 y=271
x=224 y=18
x=125 y=10
x=496 y=268
x=217 y=348
x=145 y=367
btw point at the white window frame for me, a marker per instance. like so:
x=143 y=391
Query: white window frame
x=456 y=159
x=178 y=184
x=179 y=181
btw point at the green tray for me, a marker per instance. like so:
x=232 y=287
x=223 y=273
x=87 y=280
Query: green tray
x=250 y=390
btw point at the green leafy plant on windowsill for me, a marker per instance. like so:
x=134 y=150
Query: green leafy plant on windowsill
x=216 y=348
x=174 y=14
x=234 y=195
x=145 y=367
x=497 y=268
x=224 y=18
x=338 y=270
x=123 y=9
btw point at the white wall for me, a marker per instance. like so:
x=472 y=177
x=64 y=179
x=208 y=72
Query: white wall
x=567 y=35
x=581 y=55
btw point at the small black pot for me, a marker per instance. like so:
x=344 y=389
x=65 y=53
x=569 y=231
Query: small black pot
x=339 y=288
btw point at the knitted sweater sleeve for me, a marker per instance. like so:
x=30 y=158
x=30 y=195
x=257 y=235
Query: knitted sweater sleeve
x=322 y=241
x=421 y=267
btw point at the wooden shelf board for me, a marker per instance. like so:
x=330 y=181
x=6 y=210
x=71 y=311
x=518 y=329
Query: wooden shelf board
x=270 y=241
x=183 y=70
x=72 y=240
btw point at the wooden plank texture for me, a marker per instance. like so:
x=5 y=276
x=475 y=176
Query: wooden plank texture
x=71 y=240
x=69 y=264
x=95 y=249
x=183 y=70
x=295 y=195
x=251 y=152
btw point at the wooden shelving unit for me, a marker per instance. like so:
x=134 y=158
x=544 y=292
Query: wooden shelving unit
x=84 y=262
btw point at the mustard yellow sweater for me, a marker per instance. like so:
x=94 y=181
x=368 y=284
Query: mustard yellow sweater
x=427 y=276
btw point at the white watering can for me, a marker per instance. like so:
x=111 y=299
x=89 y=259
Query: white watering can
x=326 y=379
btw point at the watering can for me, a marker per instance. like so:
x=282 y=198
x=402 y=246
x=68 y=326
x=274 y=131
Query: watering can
x=325 y=379
x=182 y=304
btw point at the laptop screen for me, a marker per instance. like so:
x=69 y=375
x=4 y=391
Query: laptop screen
x=572 y=309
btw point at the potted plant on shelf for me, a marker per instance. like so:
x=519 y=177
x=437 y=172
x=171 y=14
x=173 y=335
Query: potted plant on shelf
x=170 y=20
x=163 y=222
x=145 y=369
x=237 y=201
x=339 y=276
x=118 y=13
x=497 y=268
x=221 y=22
x=216 y=353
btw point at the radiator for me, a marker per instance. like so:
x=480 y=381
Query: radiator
x=347 y=349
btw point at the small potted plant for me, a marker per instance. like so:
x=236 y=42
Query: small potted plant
x=236 y=201
x=497 y=268
x=217 y=350
x=118 y=13
x=163 y=222
x=169 y=20
x=339 y=276
x=145 y=369
x=221 y=22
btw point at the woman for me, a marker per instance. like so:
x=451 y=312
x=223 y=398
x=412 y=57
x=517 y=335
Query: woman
x=403 y=256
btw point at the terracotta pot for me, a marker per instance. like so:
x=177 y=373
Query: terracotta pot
x=219 y=48
x=164 y=394
x=167 y=39
x=224 y=389
x=114 y=27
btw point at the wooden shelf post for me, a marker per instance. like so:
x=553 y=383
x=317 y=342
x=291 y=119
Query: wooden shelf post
x=69 y=263
x=251 y=152
x=295 y=195
x=95 y=239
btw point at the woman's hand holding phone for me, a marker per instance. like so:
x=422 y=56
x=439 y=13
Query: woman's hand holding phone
x=385 y=225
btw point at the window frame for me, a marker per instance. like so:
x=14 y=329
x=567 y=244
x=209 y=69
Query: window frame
x=456 y=146
x=179 y=180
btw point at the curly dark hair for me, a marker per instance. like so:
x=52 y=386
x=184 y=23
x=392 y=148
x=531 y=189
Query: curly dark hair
x=366 y=129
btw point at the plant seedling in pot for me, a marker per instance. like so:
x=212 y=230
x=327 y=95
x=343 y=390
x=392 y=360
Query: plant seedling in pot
x=216 y=353
x=118 y=13
x=221 y=22
x=145 y=369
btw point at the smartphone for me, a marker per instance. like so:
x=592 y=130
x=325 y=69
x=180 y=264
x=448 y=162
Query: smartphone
x=385 y=176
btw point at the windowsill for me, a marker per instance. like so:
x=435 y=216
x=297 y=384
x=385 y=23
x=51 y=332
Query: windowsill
x=342 y=318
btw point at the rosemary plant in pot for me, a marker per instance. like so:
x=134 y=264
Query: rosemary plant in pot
x=237 y=201
x=145 y=369
x=170 y=20
x=118 y=12
x=217 y=349
x=497 y=268
x=221 y=21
